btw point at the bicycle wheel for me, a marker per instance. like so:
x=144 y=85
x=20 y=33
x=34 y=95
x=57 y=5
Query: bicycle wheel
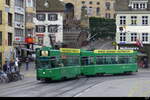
x=21 y=76
x=1 y=80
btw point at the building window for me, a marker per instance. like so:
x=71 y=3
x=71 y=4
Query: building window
x=145 y=37
x=107 y=4
x=97 y=11
x=122 y=37
x=29 y=3
x=7 y=2
x=52 y=17
x=90 y=11
x=144 y=20
x=0 y=38
x=83 y=2
x=107 y=15
x=40 y=28
x=19 y=3
x=9 y=39
x=122 y=20
x=18 y=32
x=41 y=17
x=133 y=37
x=114 y=16
x=19 y=18
x=139 y=5
x=90 y=2
x=40 y=40
x=0 y=17
x=52 y=28
x=133 y=20
x=9 y=19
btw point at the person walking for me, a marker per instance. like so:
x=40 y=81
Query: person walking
x=145 y=63
x=27 y=64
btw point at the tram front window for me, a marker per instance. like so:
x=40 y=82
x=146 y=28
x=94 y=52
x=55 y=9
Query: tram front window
x=45 y=64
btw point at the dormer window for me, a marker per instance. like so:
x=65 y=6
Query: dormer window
x=138 y=4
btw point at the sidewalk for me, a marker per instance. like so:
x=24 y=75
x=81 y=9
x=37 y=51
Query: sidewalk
x=31 y=71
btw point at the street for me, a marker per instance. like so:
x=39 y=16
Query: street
x=136 y=85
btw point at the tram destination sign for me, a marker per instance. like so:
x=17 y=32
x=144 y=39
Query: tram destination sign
x=69 y=50
x=113 y=51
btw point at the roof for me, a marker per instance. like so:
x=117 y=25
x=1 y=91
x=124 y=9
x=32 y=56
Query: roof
x=122 y=5
x=49 y=6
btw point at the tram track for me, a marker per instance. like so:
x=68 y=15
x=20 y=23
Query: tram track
x=57 y=89
x=71 y=88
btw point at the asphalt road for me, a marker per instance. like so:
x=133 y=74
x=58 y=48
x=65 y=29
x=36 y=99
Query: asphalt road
x=136 y=85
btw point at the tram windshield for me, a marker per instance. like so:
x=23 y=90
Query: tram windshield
x=53 y=62
x=68 y=60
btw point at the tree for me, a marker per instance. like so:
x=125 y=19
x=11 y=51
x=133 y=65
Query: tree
x=102 y=27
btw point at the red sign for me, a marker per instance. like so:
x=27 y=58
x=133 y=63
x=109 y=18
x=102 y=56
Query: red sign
x=40 y=35
x=29 y=40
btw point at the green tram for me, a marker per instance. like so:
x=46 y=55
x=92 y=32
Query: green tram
x=101 y=62
x=57 y=64
x=69 y=63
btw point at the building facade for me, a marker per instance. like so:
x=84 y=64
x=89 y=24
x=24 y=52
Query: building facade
x=19 y=25
x=133 y=25
x=6 y=29
x=95 y=8
x=49 y=22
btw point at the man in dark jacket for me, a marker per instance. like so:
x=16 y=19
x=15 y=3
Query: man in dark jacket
x=5 y=67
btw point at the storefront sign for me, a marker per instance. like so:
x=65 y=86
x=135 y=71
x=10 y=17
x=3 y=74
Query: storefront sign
x=69 y=50
x=129 y=48
x=113 y=51
x=40 y=35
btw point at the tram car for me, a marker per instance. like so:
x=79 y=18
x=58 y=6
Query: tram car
x=57 y=64
x=101 y=62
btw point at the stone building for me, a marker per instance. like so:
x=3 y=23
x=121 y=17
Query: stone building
x=6 y=30
x=133 y=25
x=96 y=8
x=49 y=22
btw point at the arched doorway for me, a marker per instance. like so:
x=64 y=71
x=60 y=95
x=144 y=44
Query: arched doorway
x=69 y=11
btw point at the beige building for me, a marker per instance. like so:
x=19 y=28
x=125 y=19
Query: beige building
x=6 y=29
x=96 y=8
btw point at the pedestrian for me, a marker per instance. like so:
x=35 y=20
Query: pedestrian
x=5 y=67
x=27 y=64
x=145 y=63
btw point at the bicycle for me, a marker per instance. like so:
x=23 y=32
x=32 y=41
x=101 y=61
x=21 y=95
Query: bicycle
x=3 y=78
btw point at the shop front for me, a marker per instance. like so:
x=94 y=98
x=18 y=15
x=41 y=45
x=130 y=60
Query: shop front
x=143 y=58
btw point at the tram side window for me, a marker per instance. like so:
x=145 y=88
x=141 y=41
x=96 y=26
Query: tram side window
x=100 y=60
x=70 y=60
x=87 y=60
x=124 y=59
x=106 y=60
x=54 y=62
